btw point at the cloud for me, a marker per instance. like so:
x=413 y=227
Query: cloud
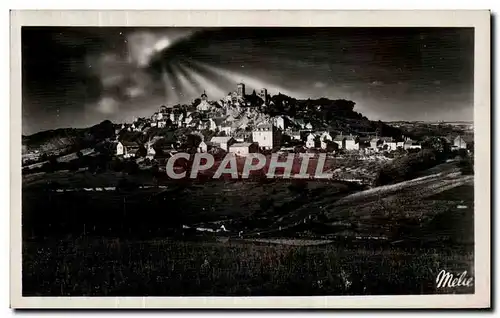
x=143 y=45
x=107 y=105
x=161 y=44
x=320 y=85
x=133 y=92
x=112 y=80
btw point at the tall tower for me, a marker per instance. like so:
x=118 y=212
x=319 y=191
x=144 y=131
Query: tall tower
x=263 y=95
x=241 y=90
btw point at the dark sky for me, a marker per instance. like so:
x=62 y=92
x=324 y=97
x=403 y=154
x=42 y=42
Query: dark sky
x=77 y=77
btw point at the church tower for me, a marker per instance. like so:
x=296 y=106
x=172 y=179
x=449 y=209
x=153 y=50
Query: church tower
x=241 y=90
x=263 y=95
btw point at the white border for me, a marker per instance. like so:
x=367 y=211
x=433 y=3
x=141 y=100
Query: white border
x=479 y=19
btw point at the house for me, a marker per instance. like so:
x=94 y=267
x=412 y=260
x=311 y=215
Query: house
x=310 y=142
x=340 y=140
x=188 y=120
x=242 y=136
x=352 y=142
x=218 y=122
x=204 y=104
x=151 y=152
x=131 y=153
x=163 y=109
x=459 y=143
x=279 y=122
x=364 y=142
x=267 y=136
x=180 y=118
x=411 y=144
x=162 y=124
x=390 y=144
x=295 y=135
x=324 y=138
x=244 y=148
x=202 y=147
x=375 y=143
x=141 y=126
x=227 y=129
x=211 y=125
x=126 y=149
x=223 y=142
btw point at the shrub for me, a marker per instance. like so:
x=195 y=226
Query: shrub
x=116 y=165
x=131 y=167
x=404 y=168
x=466 y=166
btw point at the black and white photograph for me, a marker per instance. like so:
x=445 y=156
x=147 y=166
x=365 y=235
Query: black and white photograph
x=249 y=161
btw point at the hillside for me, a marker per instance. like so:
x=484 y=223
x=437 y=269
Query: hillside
x=68 y=138
x=337 y=116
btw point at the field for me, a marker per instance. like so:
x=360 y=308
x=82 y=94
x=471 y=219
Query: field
x=281 y=237
x=173 y=268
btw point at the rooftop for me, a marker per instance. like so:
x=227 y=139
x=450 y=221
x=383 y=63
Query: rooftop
x=264 y=126
x=242 y=145
x=129 y=143
x=220 y=139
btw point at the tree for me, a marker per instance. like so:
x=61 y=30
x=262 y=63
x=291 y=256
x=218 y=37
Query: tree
x=438 y=144
x=131 y=167
x=141 y=151
x=196 y=102
x=116 y=165
x=193 y=140
x=406 y=167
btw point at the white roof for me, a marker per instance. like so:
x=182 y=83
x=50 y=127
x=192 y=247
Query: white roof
x=220 y=139
x=241 y=145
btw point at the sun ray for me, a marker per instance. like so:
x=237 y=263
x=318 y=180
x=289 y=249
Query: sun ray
x=170 y=95
x=187 y=89
x=187 y=73
x=176 y=85
x=208 y=86
x=225 y=83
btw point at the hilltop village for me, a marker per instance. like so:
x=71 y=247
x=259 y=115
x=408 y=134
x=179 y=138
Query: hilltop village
x=242 y=124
